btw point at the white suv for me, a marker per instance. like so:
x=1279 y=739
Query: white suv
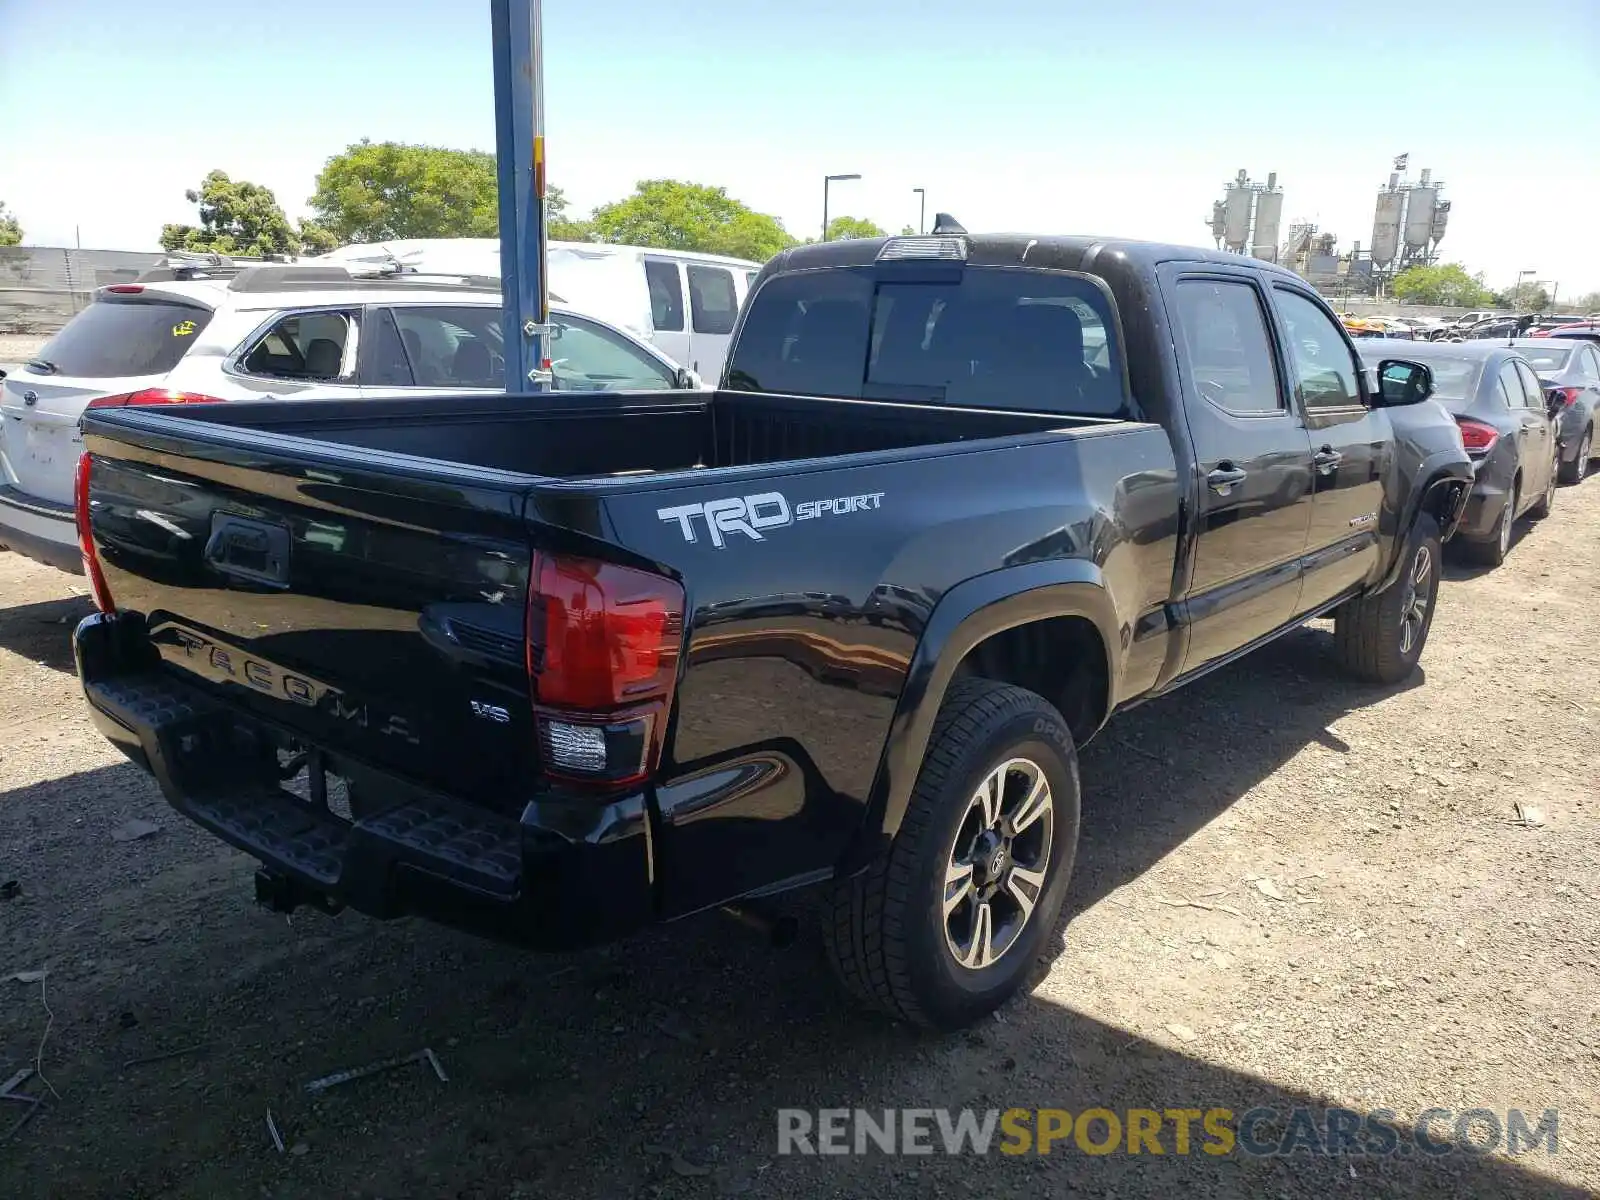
x=271 y=332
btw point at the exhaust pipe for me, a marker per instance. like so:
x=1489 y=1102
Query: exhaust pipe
x=781 y=929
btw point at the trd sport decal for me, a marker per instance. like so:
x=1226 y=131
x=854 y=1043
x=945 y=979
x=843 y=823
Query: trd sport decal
x=750 y=515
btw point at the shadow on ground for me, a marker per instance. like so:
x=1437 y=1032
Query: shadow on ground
x=43 y=632
x=651 y=1068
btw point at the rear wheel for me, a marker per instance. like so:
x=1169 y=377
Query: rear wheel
x=1380 y=638
x=1574 y=471
x=949 y=922
x=1492 y=550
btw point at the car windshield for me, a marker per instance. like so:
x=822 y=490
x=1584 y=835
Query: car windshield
x=1455 y=380
x=1546 y=361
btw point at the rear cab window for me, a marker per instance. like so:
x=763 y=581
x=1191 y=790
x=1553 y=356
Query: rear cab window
x=120 y=335
x=982 y=337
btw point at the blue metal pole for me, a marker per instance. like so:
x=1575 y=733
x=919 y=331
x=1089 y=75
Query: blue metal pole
x=519 y=165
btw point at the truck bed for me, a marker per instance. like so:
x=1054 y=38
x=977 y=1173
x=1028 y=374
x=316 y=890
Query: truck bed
x=598 y=434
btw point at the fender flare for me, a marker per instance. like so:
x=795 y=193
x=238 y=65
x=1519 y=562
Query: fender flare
x=1441 y=470
x=966 y=615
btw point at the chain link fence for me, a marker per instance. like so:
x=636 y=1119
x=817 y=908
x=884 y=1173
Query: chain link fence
x=42 y=287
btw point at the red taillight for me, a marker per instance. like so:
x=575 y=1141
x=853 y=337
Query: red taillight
x=91 y=560
x=1540 y=333
x=1477 y=437
x=1567 y=395
x=152 y=396
x=602 y=652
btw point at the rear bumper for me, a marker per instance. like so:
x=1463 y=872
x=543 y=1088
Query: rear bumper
x=557 y=876
x=44 y=532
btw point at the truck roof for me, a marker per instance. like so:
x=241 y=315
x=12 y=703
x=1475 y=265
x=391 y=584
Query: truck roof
x=1073 y=252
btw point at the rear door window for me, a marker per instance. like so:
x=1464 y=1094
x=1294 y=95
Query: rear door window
x=712 y=301
x=311 y=346
x=132 y=335
x=666 y=295
x=452 y=345
x=989 y=337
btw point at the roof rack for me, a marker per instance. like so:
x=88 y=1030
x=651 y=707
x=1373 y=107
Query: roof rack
x=191 y=264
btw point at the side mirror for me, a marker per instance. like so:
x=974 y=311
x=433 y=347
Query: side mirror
x=1554 y=403
x=1401 y=382
x=686 y=380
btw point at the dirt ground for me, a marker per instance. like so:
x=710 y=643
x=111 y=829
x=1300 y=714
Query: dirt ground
x=1427 y=950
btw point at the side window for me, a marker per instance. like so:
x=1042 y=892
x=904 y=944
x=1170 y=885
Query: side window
x=1531 y=387
x=585 y=357
x=666 y=295
x=386 y=363
x=307 y=346
x=452 y=346
x=1588 y=365
x=712 y=301
x=1322 y=360
x=1226 y=343
x=1511 y=386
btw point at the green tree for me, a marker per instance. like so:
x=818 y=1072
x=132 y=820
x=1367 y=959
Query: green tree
x=560 y=225
x=10 y=231
x=1448 y=283
x=908 y=231
x=842 y=229
x=376 y=191
x=688 y=216
x=236 y=217
x=314 y=239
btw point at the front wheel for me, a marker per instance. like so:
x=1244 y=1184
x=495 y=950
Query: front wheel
x=949 y=922
x=1380 y=638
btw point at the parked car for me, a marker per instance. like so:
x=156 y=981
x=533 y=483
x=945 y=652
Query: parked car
x=1588 y=331
x=284 y=332
x=1569 y=370
x=842 y=623
x=1499 y=327
x=1493 y=394
x=681 y=301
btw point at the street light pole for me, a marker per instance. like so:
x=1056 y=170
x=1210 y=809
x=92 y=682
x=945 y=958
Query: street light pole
x=827 y=181
x=922 y=209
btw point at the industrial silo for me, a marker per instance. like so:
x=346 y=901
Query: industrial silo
x=1218 y=221
x=1419 y=218
x=1386 y=226
x=1236 y=215
x=1269 y=211
x=1441 y=218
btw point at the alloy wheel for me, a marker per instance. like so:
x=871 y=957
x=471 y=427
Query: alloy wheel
x=995 y=872
x=1419 y=598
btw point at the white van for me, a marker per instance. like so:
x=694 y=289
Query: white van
x=645 y=289
x=638 y=287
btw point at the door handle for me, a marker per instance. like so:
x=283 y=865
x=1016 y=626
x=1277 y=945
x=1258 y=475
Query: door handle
x=1224 y=477
x=1327 y=459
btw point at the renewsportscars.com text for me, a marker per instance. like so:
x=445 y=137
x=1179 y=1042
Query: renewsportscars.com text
x=1177 y=1131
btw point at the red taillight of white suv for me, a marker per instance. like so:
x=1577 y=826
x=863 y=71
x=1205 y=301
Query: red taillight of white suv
x=152 y=396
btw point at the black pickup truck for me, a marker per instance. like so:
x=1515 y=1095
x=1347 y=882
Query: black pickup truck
x=554 y=667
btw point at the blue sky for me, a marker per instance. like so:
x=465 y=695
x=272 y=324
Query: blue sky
x=1014 y=114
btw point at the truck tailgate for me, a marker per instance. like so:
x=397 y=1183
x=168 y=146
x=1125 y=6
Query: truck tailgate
x=329 y=596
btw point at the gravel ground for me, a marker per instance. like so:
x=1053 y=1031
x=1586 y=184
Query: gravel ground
x=1427 y=950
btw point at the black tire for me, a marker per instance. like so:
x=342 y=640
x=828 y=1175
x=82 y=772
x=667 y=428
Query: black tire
x=1380 y=638
x=886 y=928
x=1491 y=551
x=1574 y=471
